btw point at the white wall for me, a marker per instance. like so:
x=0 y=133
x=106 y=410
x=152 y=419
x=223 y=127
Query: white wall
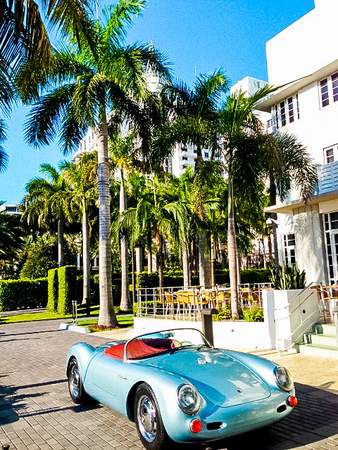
x=309 y=244
x=305 y=46
x=227 y=334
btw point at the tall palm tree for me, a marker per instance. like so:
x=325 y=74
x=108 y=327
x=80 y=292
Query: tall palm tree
x=93 y=77
x=241 y=147
x=121 y=154
x=81 y=179
x=46 y=200
x=195 y=119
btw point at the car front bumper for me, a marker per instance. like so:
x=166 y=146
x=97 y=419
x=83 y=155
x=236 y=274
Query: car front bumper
x=219 y=423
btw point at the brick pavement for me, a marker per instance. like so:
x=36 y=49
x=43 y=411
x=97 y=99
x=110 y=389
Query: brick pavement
x=37 y=414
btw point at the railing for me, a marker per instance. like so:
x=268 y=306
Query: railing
x=328 y=301
x=327 y=177
x=188 y=302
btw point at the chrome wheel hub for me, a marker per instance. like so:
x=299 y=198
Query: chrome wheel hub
x=74 y=382
x=146 y=418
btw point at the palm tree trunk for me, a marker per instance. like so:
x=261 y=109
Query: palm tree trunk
x=232 y=252
x=61 y=242
x=186 y=267
x=85 y=259
x=107 y=316
x=203 y=260
x=149 y=254
x=124 y=304
x=212 y=260
x=273 y=201
x=139 y=258
x=160 y=264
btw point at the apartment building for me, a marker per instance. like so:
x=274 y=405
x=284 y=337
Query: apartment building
x=303 y=61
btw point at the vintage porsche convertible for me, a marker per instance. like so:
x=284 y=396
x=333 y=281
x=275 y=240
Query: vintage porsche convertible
x=176 y=387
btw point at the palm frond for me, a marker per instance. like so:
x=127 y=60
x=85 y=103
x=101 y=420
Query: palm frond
x=120 y=16
x=44 y=119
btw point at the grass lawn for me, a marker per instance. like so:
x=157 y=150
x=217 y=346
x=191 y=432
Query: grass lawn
x=123 y=319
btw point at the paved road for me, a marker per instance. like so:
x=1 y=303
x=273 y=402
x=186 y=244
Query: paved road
x=37 y=414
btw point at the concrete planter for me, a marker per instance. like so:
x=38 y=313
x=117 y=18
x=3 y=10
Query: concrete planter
x=289 y=314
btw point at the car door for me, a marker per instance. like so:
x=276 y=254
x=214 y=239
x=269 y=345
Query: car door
x=107 y=382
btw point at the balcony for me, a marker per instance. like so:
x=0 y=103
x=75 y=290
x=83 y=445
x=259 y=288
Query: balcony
x=327 y=178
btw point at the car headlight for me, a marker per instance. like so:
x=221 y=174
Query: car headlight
x=189 y=399
x=283 y=378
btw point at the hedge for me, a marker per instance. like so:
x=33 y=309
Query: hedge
x=23 y=294
x=66 y=289
x=52 y=304
x=251 y=276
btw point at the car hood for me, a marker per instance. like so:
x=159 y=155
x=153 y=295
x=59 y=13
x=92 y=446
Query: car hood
x=219 y=377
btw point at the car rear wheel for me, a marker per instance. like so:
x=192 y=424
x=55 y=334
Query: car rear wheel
x=75 y=386
x=148 y=420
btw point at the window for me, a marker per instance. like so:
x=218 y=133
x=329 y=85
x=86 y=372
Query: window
x=289 y=249
x=330 y=154
x=184 y=158
x=291 y=110
x=324 y=92
x=285 y=112
x=206 y=154
x=282 y=114
x=329 y=90
x=334 y=79
x=331 y=243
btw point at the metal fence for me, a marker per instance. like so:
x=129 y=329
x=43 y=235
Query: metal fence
x=187 y=303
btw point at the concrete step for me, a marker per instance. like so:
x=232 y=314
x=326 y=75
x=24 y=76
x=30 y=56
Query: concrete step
x=324 y=328
x=321 y=339
x=322 y=351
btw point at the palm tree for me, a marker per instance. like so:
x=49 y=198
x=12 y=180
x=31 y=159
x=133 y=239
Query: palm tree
x=121 y=151
x=151 y=217
x=81 y=179
x=97 y=75
x=241 y=144
x=196 y=115
x=47 y=200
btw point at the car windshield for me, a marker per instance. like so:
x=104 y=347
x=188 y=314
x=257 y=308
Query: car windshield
x=168 y=341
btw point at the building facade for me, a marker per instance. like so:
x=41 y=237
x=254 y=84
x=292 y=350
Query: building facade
x=303 y=61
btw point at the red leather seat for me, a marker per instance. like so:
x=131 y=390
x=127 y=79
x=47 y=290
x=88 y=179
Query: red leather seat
x=140 y=348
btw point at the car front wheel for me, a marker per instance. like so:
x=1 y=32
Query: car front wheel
x=148 y=420
x=75 y=386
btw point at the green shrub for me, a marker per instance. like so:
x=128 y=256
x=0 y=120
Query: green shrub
x=287 y=277
x=223 y=314
x=66 y=289
x=254 y=314
x=23 y=294
x=52 y=303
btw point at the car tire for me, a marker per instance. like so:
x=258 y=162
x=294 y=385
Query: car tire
x=75 y=385
x=148 y=420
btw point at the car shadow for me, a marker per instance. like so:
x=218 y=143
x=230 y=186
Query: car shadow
x=13 y=404
x=314 y=419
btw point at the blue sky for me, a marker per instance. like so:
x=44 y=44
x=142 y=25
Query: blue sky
x=197 y=36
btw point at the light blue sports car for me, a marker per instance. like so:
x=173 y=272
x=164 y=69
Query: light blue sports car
x=176 y=387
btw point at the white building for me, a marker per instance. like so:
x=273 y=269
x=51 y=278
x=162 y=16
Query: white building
x=303 y=61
